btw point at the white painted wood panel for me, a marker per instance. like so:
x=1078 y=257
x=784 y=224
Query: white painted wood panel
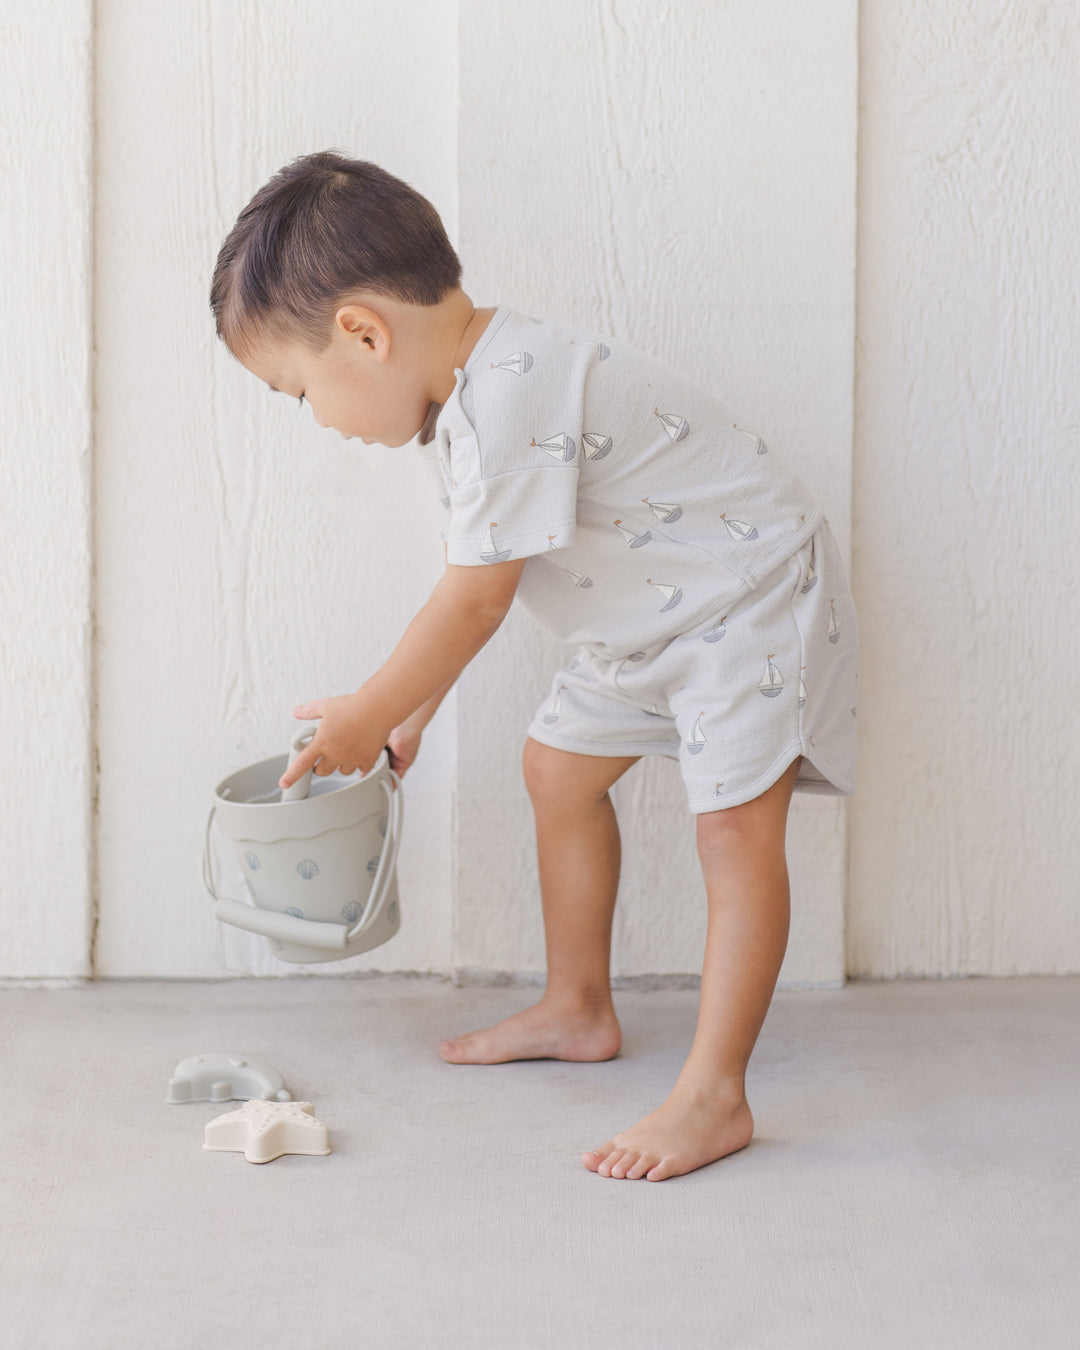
x=680 y=176
x=246 y=559
x=46 y=202
x=966 y=849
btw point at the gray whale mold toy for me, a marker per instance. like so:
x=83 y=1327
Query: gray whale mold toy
x=226 y=1078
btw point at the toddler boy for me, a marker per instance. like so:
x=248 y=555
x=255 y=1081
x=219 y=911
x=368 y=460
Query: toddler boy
x=696 y=580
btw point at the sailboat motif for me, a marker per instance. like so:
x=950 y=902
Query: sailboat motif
x=520 y=363
x=578 y=578
x=555 y=710
x=676 y=427
x=634 y=540
x=672 y=594
x=594 y=445
x=716 y=632
x=562 y=448
x=759 y=445
x=697 y=739
x=551 y=542
x=719 y=790
x=772 y=682
x=668 y=512
x=834 y=624
x=490 y=553
x=738 y=529
x=811 y=575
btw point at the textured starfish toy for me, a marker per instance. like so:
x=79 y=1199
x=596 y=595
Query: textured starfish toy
x=263 y=1131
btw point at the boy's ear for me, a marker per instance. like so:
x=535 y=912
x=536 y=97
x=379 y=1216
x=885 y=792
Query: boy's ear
x=360 y=324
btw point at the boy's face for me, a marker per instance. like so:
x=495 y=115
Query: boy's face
x=363 y=385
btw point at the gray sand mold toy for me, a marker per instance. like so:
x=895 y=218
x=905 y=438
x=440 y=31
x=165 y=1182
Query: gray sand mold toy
x=226 y=1078
x=318 y=858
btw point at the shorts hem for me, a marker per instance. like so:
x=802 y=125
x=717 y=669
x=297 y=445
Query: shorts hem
x=833 y=786
x=603 y=749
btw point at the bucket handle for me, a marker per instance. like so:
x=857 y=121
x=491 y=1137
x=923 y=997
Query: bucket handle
x=314 y=932
x=384 y=873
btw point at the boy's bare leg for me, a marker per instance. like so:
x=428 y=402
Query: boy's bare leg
x=707 y=1115
x=578 y=848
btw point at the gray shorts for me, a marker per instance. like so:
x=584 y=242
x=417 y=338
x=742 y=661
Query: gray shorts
x=737 y=698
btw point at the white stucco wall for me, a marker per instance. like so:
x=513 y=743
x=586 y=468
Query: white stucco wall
x=247 y=560
x=678 y=174
x=966 y=852
x=682 y=177
x=46 y=787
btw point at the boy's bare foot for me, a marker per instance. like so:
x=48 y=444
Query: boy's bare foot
x=688 y=1131
x=545 y=1031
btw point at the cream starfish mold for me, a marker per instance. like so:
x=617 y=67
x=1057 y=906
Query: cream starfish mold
x=263 y=1131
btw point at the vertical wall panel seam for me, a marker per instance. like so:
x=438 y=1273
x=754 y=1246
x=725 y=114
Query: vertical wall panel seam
x=92 y=672
x=849 y=814
x=455 y=754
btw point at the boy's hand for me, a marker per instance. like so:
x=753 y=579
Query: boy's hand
x=462 y=612
x=348 y=738
x=403 y=744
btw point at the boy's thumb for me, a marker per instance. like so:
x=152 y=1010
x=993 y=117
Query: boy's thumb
x=305 y=711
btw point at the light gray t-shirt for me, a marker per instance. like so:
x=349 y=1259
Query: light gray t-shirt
x=640 y=504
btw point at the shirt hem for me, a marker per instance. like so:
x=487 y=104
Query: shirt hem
x=519 y=545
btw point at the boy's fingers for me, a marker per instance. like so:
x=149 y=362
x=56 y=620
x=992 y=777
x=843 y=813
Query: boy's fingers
x=307 y=711
x=300 y=765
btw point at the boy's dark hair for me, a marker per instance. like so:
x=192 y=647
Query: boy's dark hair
x=323 y=227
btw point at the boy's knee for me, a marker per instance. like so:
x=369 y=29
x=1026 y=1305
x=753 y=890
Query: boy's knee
x=759 y=824
x=720 y=831
x=568 y=781
x=546 y=775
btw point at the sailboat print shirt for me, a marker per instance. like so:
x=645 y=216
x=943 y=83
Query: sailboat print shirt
x=641 y=505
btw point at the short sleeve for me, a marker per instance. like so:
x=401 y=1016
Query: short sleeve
x=514 y=514
x=513 y=457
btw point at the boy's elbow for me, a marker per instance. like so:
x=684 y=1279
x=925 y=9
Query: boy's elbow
x=490 y=611
x=486 y=596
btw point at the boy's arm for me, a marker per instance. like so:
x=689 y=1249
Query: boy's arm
x=464 y=610
x=403 y=743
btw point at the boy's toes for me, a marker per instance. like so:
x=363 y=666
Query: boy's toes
x=616 y=1163
x=641 y=1167
x=455 y=1051
x=595 y=1157
x=664 y=1168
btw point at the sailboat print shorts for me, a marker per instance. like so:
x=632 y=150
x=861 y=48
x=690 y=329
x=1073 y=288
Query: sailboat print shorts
x=736 y=698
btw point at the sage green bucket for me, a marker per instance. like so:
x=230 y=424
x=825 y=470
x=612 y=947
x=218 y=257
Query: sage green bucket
x=320 y=868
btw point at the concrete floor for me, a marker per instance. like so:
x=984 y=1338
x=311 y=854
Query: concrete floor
x=913 y=1182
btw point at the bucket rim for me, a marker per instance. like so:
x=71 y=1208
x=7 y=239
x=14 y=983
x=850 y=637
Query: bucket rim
x=380 y=765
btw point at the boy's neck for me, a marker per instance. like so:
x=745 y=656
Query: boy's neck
x=453 y=327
